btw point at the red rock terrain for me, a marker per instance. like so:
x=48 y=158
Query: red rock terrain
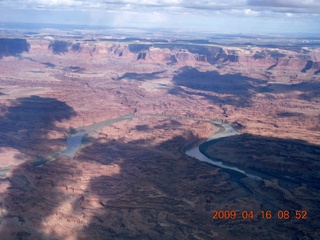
x=132 y=179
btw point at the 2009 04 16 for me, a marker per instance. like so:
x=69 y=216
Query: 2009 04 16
x=263 y=214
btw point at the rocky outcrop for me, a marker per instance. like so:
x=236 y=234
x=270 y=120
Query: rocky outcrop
x=135 y=172
x=262 y=59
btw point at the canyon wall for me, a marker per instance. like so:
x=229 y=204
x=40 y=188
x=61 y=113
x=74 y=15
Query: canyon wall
x=247 y=57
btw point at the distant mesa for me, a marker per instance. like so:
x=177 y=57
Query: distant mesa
x=13 y=47
x=183 y=52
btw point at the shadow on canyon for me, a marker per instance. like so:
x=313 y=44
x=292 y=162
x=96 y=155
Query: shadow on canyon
x=233 y=89
x=148 y=198
x=28 y=122
x=26 y=126
x=32 y=197
x=59 y=47
x=164 y=126
x=158 y=193
x=288 y=159
x=13 y=47
x=62 y=47
x=141 y=77
x=132 y=202
x=310 y=90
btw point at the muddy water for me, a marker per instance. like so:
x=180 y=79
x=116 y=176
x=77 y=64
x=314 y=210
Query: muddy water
x=73 y=144
x=224 y=131
x=74 y=141
x=195 y=152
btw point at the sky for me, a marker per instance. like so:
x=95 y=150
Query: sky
x=224 y=16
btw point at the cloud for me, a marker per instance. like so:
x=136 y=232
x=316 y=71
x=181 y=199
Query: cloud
x=286 y=3
x=293 y=6
x=55 y=2
x=210 y=14
x=244 y=7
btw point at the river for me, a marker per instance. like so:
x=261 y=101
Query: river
x=225 y=130
x=74 y=141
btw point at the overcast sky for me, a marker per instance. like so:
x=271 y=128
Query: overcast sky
x=229 y=16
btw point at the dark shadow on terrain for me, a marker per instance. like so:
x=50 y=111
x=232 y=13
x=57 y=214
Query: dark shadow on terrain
x=145 y=199
x=59 y=47
x=290 y=114
x=290 y=160
x=142 y=128
x=230 y=89
x=13 y=47
x=27 y=123
x=135 y=48
x=32 y=196
x=33 y=192
x=159 y=193
x=172 y=124
x=310 y=89
x=141 y=77
x=308 y=66
x=311 y=65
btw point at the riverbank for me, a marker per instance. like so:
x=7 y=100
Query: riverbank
x=225 y=130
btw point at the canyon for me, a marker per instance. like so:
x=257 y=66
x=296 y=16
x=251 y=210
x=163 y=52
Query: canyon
x=132 y=179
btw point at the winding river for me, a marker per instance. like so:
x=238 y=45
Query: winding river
x=225 y=131
x=74 y=141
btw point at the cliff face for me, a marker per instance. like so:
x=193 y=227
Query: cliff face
x=136 y=170
x=182 y=54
